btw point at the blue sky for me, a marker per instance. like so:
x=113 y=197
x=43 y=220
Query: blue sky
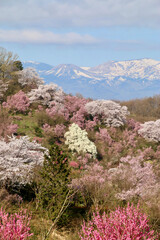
x=85 y=32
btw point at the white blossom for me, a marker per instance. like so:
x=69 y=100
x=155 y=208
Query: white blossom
x=111 y=112
x=45 y=94
x=150 y=130
x=29 y=76
x=3 y=88
x=77 y=140
x=18 y=158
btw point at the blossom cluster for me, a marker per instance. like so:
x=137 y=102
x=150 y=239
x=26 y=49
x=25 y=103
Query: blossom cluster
x=111 y=113
x=123 y=223
x=77 y=140
x=14 y=226
x=18 y=158
x=7 y=127
x=136 y=178
x=150 y=130
x=92 y=178
x=18 y=102
x=29 y=76
x=45 y=94
x=58 y=130
x=72 y=108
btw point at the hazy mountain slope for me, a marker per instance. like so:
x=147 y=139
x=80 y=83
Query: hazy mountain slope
x=112 y=80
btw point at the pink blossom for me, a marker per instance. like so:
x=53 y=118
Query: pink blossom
x=12 y=128
x=104 y=136
x=40 y=108
x=133 y=125
x=74 y=164
x=122 y=224
x=38 y=139
x=135 y=178
x=46 y=128
x=59 y=130
x=14 y=226
x=17 y=102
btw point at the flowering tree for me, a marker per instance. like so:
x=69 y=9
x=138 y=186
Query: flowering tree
x=91 y=182
x=135 y=178
x=77 y=140
x=3 y=88
x=18 y=158
x=45 y=94
x=71 y=108
x=150 y=130
x=29 y=76
x=18 y=102
x=123 y=223
x=7 y=128
x=14 y=226
x=109 y=112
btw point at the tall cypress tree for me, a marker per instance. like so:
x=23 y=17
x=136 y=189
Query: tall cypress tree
x=54 y=180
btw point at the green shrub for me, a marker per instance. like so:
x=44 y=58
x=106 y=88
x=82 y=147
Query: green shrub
x=38 y=132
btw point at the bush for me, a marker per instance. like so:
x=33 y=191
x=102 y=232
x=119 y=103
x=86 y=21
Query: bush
x=78 y=141
x=123 y=223
x=14 y=226
x=7 y=127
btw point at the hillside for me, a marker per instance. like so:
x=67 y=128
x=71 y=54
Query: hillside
x=68 y=159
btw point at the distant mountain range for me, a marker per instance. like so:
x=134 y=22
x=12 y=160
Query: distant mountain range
x=121 y=80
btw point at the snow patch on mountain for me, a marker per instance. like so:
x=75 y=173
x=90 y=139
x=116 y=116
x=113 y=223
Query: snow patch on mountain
x=112 y=80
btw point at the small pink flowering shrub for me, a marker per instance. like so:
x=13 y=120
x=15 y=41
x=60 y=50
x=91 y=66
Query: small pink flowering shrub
x=133 y=125
x=123 y=224
x=91 y=181
x=18 y=102
x=59 y=130
x=46 y=128
x=74 y=164
x=12 y=128
x=14 y=226
x=104 y=136
x=7 y=127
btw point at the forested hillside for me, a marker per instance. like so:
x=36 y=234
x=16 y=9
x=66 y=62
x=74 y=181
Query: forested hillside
x=75 y=168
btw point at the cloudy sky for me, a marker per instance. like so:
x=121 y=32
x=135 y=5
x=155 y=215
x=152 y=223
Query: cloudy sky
x=82 y=32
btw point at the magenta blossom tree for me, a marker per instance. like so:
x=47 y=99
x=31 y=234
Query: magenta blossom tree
x=14 y=226
x=123 y=224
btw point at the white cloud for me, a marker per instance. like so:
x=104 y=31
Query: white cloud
x=35 y=36
x=73 y=13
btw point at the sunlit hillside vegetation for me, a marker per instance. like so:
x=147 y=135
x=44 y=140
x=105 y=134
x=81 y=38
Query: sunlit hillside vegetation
x=144 y=109
x=66 y=161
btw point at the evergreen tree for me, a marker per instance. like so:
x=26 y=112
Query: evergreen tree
x=53 y=183
x=18 y=65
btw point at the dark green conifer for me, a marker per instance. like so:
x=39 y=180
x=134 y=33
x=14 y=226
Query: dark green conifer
x=53 y=184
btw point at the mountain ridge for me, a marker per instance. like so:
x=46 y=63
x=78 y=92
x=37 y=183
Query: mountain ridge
x=119 y=80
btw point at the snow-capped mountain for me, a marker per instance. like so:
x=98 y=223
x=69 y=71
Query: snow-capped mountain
x=139 y=69
x=112 y=80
